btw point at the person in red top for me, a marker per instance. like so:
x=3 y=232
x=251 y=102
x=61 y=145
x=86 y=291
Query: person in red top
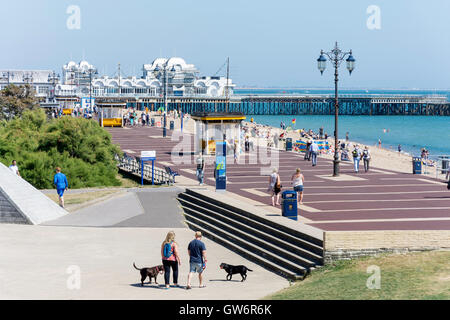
x=170 y=258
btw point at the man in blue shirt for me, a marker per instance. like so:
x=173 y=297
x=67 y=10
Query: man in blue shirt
x=60 y=181
x=197 y=259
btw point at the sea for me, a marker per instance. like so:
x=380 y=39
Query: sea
x=411 y=132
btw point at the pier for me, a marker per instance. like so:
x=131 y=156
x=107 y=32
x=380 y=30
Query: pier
x=294 y=104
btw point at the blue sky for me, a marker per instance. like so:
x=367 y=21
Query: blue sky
x=270 y=43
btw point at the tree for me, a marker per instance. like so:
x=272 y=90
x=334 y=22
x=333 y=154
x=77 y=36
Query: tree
x=14 y=100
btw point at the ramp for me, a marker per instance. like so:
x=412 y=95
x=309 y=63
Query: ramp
x=22 y=203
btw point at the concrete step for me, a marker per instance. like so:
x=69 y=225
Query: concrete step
x=310 y=250
x=265 y=263
x=259 y=238
x=315 y=245
x=199 y=219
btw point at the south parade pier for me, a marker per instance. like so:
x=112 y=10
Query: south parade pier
x=349 y=104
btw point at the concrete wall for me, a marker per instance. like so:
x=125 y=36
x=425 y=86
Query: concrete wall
x=20 y=202
x=340 y=245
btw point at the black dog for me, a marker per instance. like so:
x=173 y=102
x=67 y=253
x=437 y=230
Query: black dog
x=235 y=269
x=150 y=273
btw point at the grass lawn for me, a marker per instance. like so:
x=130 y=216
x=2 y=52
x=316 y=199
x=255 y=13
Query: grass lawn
x=424 y=275
x=82 y=197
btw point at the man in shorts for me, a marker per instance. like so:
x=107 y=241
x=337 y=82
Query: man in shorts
x=197 y=259
x=60 y=181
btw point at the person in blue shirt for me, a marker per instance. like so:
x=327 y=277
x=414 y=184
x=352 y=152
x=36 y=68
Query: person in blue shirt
x=197 y=259
x=60 y=181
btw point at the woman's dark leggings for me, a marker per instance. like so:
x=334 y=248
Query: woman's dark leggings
x=167 y=265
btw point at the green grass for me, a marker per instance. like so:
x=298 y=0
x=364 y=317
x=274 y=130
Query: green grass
x=424 y=276
x=82 y=197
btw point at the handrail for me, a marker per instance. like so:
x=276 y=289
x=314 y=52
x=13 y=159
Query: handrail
x=131 y=165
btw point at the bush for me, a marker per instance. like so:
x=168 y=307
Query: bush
x=82 y=149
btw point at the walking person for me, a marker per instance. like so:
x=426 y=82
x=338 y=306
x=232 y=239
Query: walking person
x=314 y=151
x=170 y=259
x=307 y=152
x=14 y=168
x=197 y=259
x=366 y=158
x=200 y=169
x=61 y=183
x=275 y=186
x=356 y=153
x=298 y=181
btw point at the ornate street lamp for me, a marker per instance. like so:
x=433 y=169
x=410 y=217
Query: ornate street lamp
x=336 y=56
x=164 y=69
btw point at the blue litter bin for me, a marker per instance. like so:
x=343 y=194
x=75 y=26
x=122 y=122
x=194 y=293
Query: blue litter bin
x=288 y=144
x=289 y=204
x=417 y=165
x=172 y=125
x=153 y=122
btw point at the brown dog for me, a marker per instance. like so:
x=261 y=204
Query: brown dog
x=150 y=273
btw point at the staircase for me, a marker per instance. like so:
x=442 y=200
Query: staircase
x=285 y=251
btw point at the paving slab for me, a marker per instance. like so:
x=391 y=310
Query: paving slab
x=104 y=258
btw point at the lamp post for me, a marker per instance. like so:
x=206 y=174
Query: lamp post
x=165 y=68
x=53 y=78
x=336 y=56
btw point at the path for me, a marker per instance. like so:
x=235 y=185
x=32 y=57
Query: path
x=378 y=200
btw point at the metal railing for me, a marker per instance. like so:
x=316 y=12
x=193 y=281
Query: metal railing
x=132 y=165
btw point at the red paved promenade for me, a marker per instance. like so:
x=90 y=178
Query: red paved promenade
x=377 y=200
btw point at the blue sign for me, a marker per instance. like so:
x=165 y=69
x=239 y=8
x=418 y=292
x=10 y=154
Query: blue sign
x=145 y=157
x=221 y=166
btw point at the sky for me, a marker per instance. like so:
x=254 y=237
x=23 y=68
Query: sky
x=269 y=43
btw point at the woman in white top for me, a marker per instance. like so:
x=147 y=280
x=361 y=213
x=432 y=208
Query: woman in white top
x=275 y=186
x=297 y=182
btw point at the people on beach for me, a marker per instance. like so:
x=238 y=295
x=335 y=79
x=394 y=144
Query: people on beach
x=346 y=137
x=314 y=150
x=399 y=148
x=275 y=187
x=61 y=183
x=298 y=181
x=379 y=143
x=366 y=158
x=356 y=153
x=200 y=168
x=170 y=259
x=14 y=168
x=197 y=259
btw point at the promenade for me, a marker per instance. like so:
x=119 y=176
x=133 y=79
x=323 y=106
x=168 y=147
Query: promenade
x=378 y=200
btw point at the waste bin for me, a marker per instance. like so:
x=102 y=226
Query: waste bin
x=153 y=122
x=289 y=204
x=288 y=144
x=445 y=164
x=417 y=165
x=172 y=125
